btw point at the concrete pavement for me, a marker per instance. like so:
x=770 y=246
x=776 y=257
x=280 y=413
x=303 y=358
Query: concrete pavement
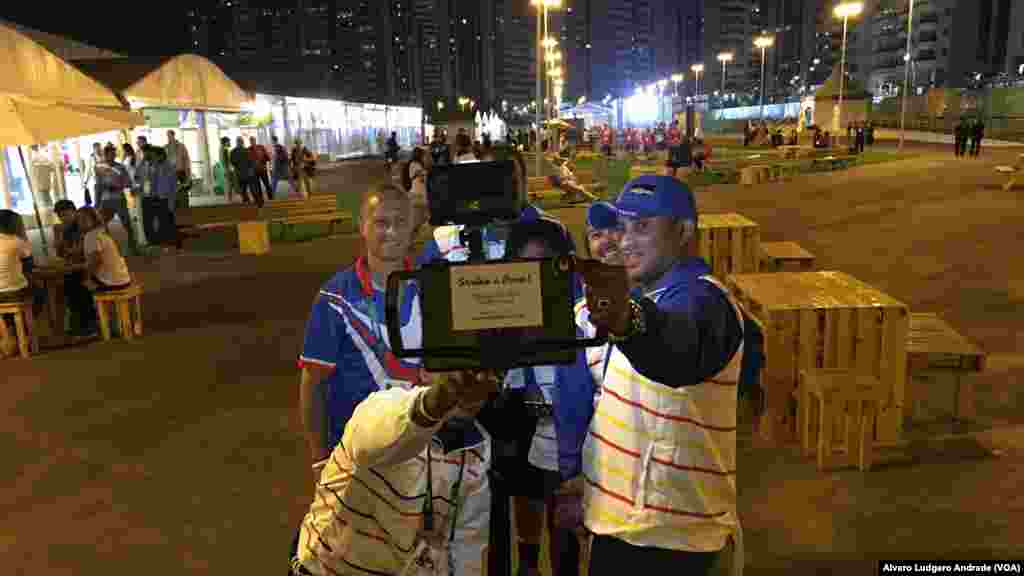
x=181 y=452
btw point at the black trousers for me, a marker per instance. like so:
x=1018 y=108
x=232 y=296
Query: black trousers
x=613 y=557
x=81 y=304
x=263 y=179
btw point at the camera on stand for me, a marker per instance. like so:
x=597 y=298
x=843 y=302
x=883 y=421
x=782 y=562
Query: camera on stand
x=485 y=309
x=492 y=311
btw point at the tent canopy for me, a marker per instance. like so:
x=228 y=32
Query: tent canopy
x=25 y=121
x=186 y=81
x=30 y=70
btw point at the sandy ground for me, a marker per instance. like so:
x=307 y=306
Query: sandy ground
x=181 y=452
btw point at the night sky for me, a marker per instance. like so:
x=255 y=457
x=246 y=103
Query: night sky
x=133 y=28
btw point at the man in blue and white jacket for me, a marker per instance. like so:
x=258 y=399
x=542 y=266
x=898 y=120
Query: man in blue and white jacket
x=345 y=360
x=658 y=453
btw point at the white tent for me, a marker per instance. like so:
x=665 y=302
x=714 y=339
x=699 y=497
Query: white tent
x=46 y=98
x=186 y=82
x=32 y=71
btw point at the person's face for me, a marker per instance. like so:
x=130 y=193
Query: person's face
x=66 y=215
x=648 y=247
x=386 y=229
x=141 y=143
x=535 y=249
x=604 y=245
x=240 y=143
x=170 y=136
x=109 y=155
x=97 y=150
x=252 y=141
x=85 y=221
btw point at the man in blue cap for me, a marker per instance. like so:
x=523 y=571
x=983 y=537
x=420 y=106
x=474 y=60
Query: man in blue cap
x=658 y=453
x=603 y=233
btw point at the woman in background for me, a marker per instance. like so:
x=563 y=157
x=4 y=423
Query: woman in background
x=106 y=268
x=16 y=274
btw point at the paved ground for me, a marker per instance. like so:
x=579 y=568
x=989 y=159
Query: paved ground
x=182 y=453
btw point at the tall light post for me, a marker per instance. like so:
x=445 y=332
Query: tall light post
x=553 y=58
x=906 y=75
x=763 y=42
x=697 y=70
x=846 y=10
x=542 y=18
x=662 y=84
x=724 y=58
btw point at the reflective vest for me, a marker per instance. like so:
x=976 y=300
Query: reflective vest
x=659 y=463
x=597 y=356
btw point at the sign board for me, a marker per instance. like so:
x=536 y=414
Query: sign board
x=496 y=296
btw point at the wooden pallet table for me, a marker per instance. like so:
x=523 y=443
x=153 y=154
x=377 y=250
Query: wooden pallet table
x=939 y=363
x=729 y=243
x=825 y=320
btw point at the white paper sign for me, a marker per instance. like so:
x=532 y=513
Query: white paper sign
x=496 y=296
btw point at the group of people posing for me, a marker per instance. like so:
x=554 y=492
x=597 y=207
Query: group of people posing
x=633 y=446
x=253 y=173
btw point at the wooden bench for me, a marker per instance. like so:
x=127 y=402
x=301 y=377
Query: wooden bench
x=128 y=304
x=785 y=257
x=833 y=162
x=195 y=221
x=315 y=210
x=938 y=358
x=22 y=313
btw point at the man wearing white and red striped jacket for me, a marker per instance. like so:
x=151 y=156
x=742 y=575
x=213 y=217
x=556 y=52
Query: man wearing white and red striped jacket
x=658 y=453
x=394 y=498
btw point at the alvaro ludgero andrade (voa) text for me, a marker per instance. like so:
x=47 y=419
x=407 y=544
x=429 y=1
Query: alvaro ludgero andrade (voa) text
x=1012 y=567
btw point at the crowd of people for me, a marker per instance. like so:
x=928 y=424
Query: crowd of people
x=609 y=448
x=254 y=173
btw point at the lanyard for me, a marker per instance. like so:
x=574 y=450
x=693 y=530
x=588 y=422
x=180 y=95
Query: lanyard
x=607 y=358
x=428 y=502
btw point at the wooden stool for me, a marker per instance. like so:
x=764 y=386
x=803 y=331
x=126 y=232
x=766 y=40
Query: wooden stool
x=938 y=359
x=22 y=312
x=124 y=300
x=789 y=256
x=748 y=175
x=829 y=394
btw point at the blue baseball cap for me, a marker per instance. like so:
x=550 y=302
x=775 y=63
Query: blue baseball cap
x=602 y=216
x=650 y=196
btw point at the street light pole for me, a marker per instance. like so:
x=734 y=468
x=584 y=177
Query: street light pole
x=763 y=43
x=724 y=58
x=906 y=75
x=844 y=11
x=540 y=61
x=542 y=34
x=842 y=74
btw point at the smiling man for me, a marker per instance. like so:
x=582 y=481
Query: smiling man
x=658 y=453
x=345 y=356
